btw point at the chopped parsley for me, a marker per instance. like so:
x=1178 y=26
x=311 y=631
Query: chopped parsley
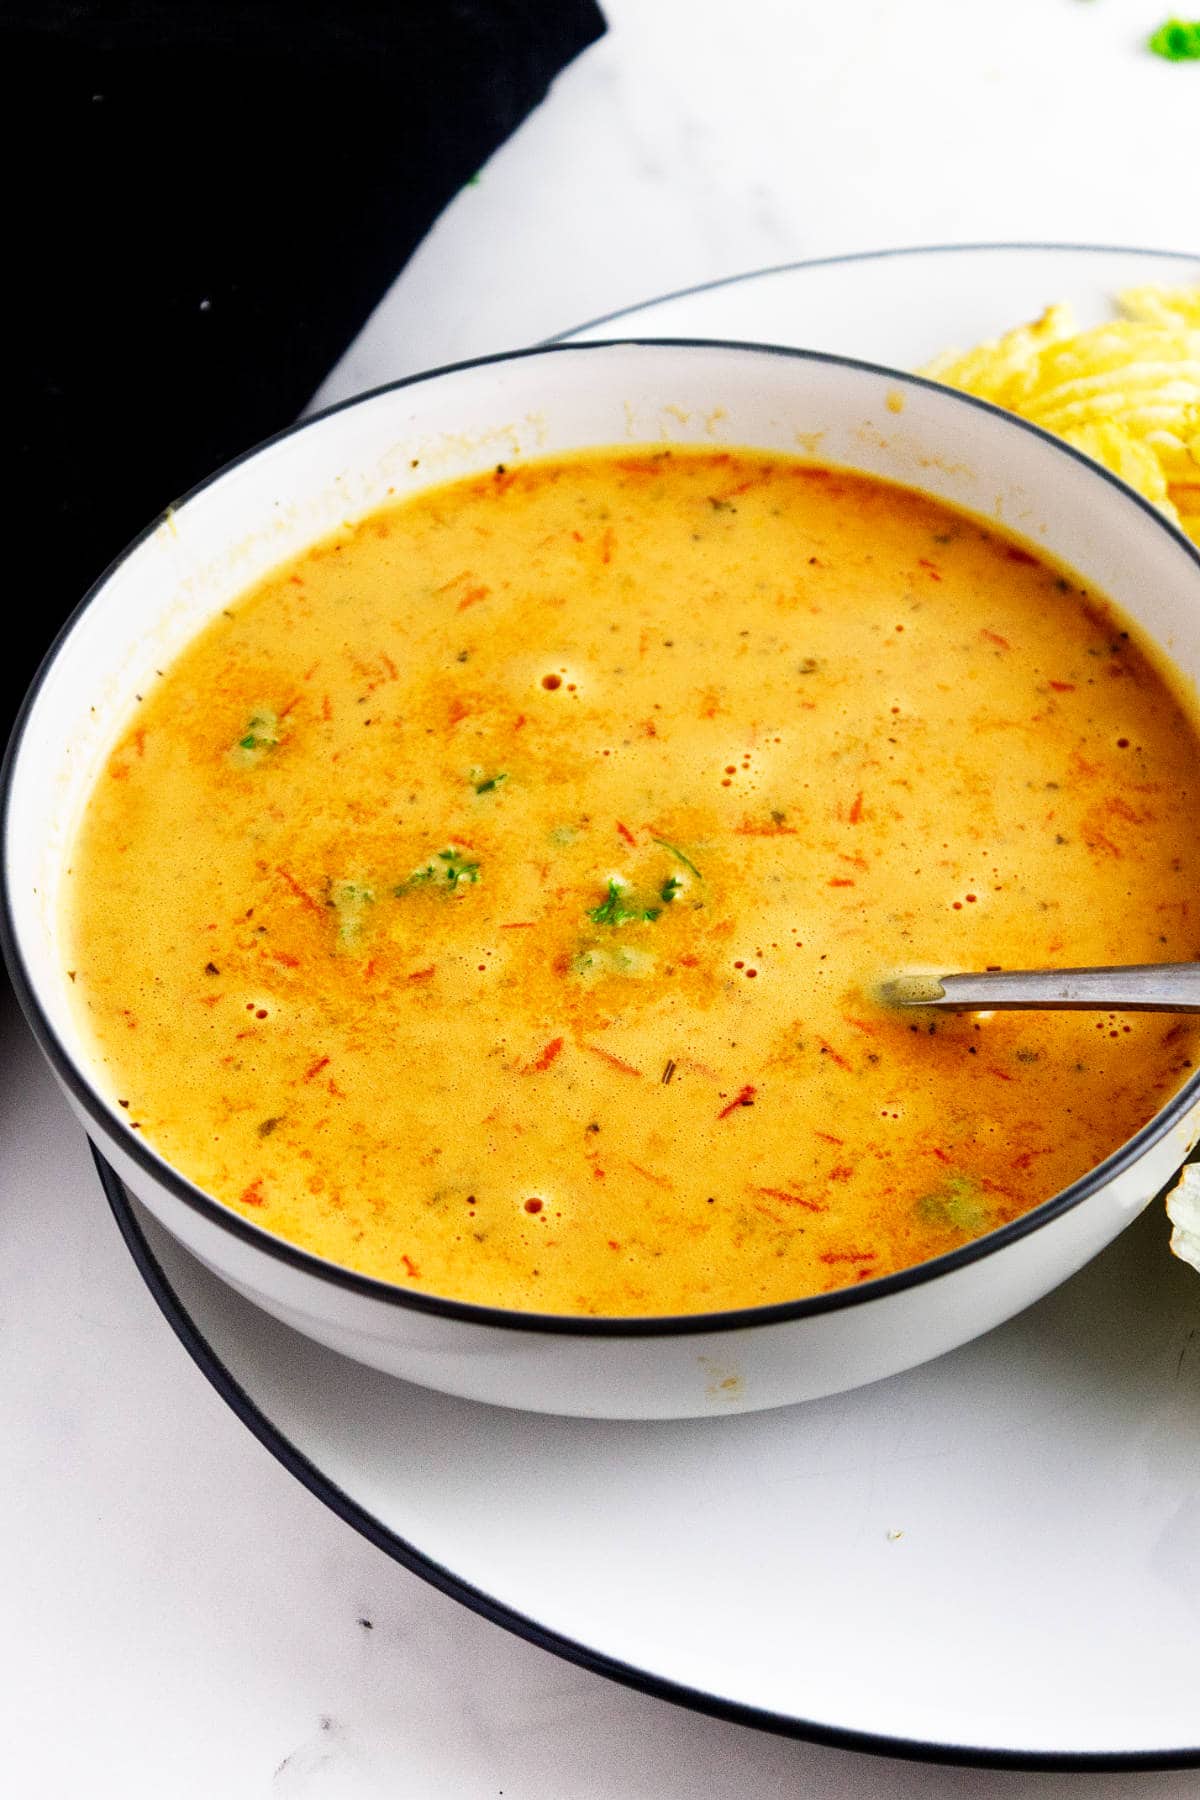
x=447 y=869
x=487 y=784
x=615 y=909
x=957 y=1205
x=677 y=853
x=261 y=735
x=670 y=888
x=1178 y=40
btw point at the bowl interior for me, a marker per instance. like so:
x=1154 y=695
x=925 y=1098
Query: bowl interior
x=277 y=500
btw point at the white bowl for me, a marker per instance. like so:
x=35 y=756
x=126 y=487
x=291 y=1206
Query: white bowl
x=280 y=498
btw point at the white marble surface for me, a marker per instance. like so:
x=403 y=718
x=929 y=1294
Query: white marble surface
x=179 y=1617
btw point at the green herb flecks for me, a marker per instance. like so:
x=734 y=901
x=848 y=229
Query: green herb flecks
x=1178 y=40
x=958 y=1205
x=448 y=871
x=486 y=784
x=261 y=736
x=617 y=909
x=670 y=888
x=351 y=902
x=677 y=853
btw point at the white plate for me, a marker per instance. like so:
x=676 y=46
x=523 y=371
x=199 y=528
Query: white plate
x=994 y=1558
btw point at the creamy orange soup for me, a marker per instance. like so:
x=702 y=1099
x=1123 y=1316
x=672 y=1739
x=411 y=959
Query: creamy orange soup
x=493 y=900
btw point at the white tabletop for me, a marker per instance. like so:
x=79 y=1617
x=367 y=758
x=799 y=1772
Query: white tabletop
x=180 y=1617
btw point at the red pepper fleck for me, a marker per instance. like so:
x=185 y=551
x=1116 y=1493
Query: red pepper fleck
x=829 y=1137
x=413 y=1272
x=848 y=1256
x=856 y=809
x=321 y=1063
x=744 y=1098
x=830 y=1051
x=1000 y=1074
x=1063 y=687
x=841 y=1172
x=520 y=925
x=550 y=1054
x=423 y=974
x=932 y=567
x=473 y=596
x=791 y=1199
x=841 y=881
x=1021 y=556
x=993 y=637
x=626 y=833
x=250 y=1196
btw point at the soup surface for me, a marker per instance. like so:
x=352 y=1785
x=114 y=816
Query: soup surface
x=494 y=898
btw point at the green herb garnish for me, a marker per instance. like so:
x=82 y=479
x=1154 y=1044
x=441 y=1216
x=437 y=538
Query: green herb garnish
x=957 y=1205
x=1178 y=40
x=677 y=853
x=489 y=784
x=614 y=909
x=446 y=870
x=261 y=733
x=670 y=887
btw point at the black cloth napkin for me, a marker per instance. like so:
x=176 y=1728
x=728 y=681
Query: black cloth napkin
x=207 y=200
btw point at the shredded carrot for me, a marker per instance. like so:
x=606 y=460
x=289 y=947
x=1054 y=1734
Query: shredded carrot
x=550 y=1054
x=993 y=637
x=616 y=1061
x=830 y=1051
x=856 y=809
x=301 y=894
x=658 y=1180
x=626 y=833
x=791 y=1199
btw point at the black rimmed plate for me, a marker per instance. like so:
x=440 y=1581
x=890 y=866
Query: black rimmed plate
x=993 y=1558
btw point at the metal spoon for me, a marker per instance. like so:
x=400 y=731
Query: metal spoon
x=1140 y=987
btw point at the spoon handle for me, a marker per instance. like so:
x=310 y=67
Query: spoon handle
x=1141 y=987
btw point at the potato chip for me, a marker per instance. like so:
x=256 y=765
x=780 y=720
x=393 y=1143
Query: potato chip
x=1134 y=461
x=1161 y=306
x=1126 y=393
x=1002 y=369
x=1183 y=1210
